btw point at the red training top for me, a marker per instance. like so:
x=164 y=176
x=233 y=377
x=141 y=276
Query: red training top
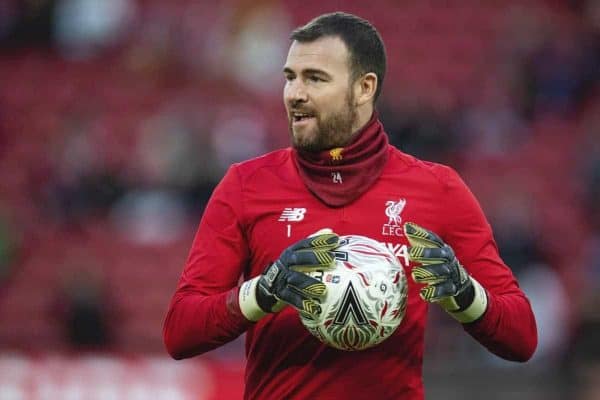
x=262 y=206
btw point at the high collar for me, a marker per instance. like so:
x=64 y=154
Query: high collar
x=341 y=175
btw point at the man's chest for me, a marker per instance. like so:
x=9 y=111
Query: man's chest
x=380 y=213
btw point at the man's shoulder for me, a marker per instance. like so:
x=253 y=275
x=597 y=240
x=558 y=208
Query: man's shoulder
x=428 y=169
x=268 y=161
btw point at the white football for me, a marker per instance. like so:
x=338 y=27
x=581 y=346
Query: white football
x=366 y=296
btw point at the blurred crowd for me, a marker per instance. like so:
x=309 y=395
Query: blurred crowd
x=118 y=117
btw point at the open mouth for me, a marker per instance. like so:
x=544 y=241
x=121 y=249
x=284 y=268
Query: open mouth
x=300 y=117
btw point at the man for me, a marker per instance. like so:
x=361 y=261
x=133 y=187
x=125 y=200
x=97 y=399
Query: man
x=340 y=174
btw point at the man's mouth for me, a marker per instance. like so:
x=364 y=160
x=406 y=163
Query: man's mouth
x=301 y=116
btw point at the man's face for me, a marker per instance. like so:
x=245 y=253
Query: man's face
x=318 y=95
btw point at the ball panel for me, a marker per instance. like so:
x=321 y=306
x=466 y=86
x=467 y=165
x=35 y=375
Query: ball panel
x=366 y=296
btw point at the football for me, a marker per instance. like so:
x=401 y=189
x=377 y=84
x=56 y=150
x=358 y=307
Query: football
x=366 y=296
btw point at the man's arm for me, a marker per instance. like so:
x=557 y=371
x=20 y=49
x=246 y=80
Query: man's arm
x=208 y=309
x=507 y=326
x=204 y=312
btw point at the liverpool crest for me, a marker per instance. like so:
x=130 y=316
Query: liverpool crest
x=394 y=224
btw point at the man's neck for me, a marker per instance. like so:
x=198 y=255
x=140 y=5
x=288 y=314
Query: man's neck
x=364 y=116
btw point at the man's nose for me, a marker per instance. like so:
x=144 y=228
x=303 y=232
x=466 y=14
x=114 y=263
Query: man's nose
x=296 y=93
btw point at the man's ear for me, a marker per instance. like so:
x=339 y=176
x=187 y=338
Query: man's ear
x=365 y=88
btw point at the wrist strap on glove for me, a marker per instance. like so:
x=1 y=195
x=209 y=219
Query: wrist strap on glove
x=475 y=310
x=247 y=299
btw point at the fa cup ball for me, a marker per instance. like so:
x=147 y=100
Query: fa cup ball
x=365 y=299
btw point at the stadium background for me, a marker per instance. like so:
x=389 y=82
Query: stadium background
x=118 y=117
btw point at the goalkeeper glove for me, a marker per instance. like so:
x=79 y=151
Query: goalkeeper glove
x=284 y=281
x=447 y=282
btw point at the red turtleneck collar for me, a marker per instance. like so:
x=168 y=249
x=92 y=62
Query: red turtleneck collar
x=341 y=175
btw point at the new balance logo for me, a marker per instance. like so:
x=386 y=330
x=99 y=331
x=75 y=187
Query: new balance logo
x=292 y=214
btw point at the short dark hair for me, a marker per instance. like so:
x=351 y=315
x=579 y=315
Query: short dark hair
x=366 y=48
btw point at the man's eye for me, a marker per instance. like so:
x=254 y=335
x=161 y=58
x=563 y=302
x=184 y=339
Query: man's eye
x=289 y=78
x=315 y=79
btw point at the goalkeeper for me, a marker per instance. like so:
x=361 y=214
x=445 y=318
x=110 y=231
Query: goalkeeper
x=245 y=270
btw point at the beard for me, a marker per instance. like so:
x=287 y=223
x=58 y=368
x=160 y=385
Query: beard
x=332 y=131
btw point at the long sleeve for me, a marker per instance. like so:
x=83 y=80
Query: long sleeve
x=508 y=327
x=204 y=312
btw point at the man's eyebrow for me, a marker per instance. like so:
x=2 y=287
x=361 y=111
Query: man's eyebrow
x=308 y=71
x=314 y=71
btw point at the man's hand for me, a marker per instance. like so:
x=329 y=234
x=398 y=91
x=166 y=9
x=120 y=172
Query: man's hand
x=447 y=282
x=284 y=281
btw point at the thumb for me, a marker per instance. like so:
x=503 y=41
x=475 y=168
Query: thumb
x=321 y=232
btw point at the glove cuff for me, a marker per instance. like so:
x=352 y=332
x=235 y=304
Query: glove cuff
x=477 y=308
x=247 y=300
